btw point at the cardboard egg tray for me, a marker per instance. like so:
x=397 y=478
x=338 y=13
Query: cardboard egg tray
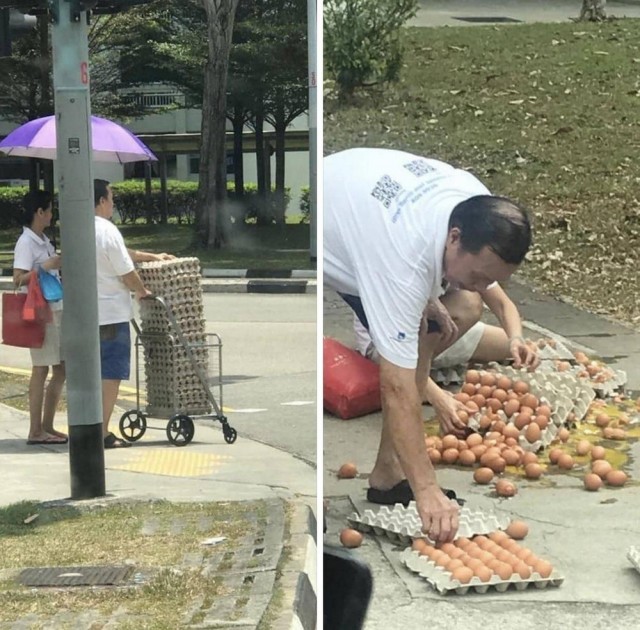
x=402 y=524
x=449 y=375
x=633 y=554
x=560 y=352
x=440 y=579
x=607 y=388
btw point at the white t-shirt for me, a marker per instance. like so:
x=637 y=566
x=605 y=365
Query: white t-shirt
x=386 y=216
x=30 y=252
x=113 y=261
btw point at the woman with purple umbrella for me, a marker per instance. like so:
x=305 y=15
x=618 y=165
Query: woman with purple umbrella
x=33 y=251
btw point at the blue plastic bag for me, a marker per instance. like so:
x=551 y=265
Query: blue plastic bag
x=50 y=286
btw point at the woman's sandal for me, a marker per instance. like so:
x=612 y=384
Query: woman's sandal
x=111 y=441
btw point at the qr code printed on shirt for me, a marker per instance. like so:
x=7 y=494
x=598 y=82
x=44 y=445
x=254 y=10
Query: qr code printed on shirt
x=419 y=167
x=386 y=190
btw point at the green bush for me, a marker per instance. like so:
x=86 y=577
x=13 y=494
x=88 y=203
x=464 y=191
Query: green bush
x=11 y=206
x=362 y=40
x=305 y=204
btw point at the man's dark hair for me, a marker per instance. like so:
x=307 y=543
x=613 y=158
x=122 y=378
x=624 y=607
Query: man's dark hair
x=32 y=201
x=99 y=190
x=494 y=222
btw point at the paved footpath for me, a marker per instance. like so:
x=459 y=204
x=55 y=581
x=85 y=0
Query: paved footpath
x=585 y=535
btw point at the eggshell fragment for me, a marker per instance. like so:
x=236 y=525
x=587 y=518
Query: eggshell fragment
x=517 y=530
x=347 y=471
x=351 y=538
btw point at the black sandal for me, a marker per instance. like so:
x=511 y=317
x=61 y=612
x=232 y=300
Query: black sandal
x=111 y=441
x=402 y=493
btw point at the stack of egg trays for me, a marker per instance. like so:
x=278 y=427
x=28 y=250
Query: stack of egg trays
x=440 y=579
x=402 y=524
x=633 y=554
x=449 y=375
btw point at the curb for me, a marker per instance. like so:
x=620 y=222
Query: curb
x=299 y=573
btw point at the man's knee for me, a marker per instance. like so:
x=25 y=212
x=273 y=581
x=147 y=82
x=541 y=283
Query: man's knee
x=465 y=308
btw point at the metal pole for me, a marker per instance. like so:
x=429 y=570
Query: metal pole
x=313 y=128
x=80 y=335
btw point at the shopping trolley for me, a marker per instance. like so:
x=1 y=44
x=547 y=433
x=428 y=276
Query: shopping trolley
x=181 y=369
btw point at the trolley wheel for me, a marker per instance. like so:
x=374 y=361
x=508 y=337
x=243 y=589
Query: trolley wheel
x=230 y=434
x=180 y=430
x=133 y=425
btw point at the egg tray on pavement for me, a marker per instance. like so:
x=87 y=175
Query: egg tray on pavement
x=443 y=581
x=172 y=379
x=562 y=391
x=402 y=524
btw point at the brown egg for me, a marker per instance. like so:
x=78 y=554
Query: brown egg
x=520 y=387
x=616 y=478
x=511 y=407
x=462 y=445
x=494 y=436
x=563 y=434
x=533 y=471
x=511 y=442
x=498 y=536
x=494 y=404
x=543 y=568
x=618 y=434
x=418 y=544
x=522 y=420
x=511 y=431
x=453 y=564
x=449 y=441
x=463 y=416
x=592 y=482
x=486 y=378
x=472 y=407
x=529 y=400
x=478 y=450
x=462 y=574
x=565 y=461
x=347 y=471
x=474 y=439
x=581 y=358
x=450 y=456
x=602 y=420
x=468 y=389
x=500 y=394
x=466 y=458
x=510 y=457
x=597 y=452
x=483 y=573
x=472 y=376
x=434 y=455
x=350 y=538
x=486 y=391
x=504 y=571
x=541 y=421
x=583 y=447
x=529 y=458
x=505 y=383
x=517 y=530
x=462 y=397
x=483 y=476
x=505 y=488
x=497 y=464
x=543 y=410
x=601 y=467
x=484 y=423
x=554 y=455
x=532 y=433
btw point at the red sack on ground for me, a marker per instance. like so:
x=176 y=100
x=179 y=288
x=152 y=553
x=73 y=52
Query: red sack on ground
x=351 y=382
x=36 y=308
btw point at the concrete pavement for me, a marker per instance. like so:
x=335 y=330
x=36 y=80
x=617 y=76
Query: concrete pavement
x=585 y=535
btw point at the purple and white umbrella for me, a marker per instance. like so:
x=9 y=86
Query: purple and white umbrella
x=110 y=141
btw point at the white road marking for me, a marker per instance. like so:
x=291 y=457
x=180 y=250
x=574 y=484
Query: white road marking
x=298 y=403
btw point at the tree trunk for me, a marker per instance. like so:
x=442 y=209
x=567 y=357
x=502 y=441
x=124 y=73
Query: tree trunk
x=210 y=213
x=238 y=157
x=280 y=128
x=593 y=10
x=263 y=192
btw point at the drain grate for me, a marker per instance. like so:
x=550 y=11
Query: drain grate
x=75 y=576
x=487 y=20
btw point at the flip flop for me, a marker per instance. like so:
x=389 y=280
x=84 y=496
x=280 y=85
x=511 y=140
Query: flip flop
x=402 y=493
x=111 y=441
x=49 y=440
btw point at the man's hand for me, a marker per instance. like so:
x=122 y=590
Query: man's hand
x=55 y=262
x=164 y=256
x=439 y=515
x=447 y=408
x=143 y=293
x=438 y=311
x=523 y=355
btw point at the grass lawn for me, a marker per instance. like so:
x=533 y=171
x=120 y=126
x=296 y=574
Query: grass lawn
x=250 y=247
x=112 y=535
x=544 y=113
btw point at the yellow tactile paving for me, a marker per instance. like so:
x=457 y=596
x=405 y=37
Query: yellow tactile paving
x=174 y=462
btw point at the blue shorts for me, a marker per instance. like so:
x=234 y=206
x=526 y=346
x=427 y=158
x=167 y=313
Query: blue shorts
x=115 y=351
x=356 y=304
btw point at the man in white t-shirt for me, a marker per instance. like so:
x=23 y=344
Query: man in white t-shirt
x=117 y=279
x=397 y=229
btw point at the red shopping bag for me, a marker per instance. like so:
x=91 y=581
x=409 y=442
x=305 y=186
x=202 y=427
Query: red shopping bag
x=351 y=382
x=15 y=330
x=36 y=308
